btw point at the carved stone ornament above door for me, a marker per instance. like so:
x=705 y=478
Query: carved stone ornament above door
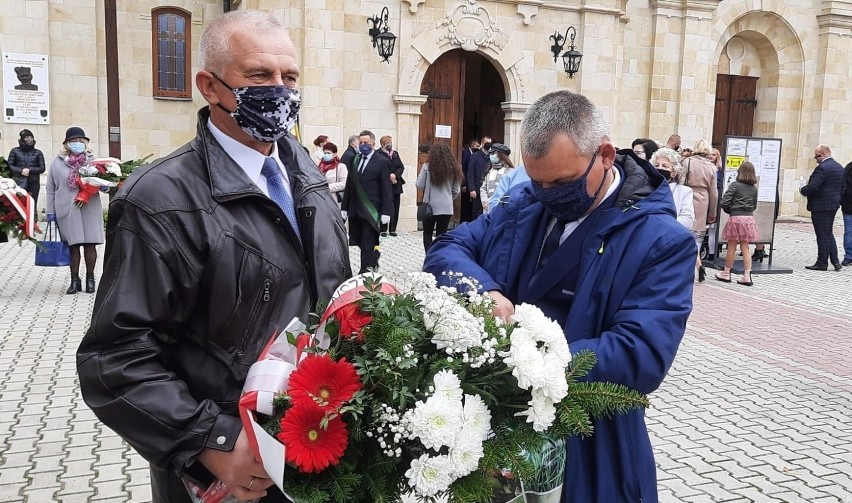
x=414 y=5
x=470 y=27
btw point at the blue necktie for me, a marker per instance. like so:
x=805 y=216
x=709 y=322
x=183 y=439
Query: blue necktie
x=275 y=186
x=551 y=243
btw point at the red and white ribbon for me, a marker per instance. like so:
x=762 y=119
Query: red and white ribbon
x=25 y=206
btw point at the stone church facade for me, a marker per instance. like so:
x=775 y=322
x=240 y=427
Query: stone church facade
x=653 y=66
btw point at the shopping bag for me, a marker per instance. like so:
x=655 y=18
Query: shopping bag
x=52 y=252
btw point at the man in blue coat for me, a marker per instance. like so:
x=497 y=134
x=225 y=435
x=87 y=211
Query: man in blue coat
x=593 y=241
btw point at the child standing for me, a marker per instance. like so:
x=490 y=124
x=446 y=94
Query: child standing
x=740 y=201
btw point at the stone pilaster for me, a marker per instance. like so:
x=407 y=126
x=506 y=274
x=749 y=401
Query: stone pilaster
x=513 y=113
x=407 y=137
x=831 y=123
x=680 y=80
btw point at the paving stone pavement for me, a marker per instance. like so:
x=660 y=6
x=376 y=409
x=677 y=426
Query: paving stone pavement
x=756 y=408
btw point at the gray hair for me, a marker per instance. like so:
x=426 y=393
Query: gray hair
x=214 y=49
x=353 y=139
x=825 y=149
x=562 y=112
x=679 y=174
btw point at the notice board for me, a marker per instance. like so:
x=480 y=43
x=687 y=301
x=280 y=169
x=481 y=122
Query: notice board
x=765 y=154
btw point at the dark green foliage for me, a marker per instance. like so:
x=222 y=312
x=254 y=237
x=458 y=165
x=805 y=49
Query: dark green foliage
x=477 y=487
x=5 y=171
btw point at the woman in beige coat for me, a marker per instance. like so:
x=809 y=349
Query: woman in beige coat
x=701 y=178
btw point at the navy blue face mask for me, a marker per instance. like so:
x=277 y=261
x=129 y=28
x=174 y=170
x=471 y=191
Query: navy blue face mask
x=266 y=113
x=568 y=201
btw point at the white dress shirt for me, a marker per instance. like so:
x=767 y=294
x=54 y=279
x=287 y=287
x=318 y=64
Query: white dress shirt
x=250 y=159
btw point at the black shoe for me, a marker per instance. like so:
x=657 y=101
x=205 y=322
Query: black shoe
x=384 y=234
x=846 y=262
x=702 y=274
x=817 y=267
x=76 y=286
x=758 y=256
x=838 y=267
x=393 y=234
x=90 y=284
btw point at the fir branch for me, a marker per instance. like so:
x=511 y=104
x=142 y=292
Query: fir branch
x=476 y=487
x=605 y=399
x=571 y=419
x=581 y=364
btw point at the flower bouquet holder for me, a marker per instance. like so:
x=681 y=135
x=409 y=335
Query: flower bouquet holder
x=545 y=485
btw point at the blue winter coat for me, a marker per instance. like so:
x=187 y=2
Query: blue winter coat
x=631 y=304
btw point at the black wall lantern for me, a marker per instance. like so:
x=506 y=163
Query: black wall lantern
x=383 y=40
x=572 y=57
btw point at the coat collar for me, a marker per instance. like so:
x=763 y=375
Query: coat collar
x=227 y=178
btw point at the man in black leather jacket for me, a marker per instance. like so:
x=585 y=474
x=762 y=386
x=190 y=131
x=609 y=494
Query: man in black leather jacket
x=204 y=262
x=27 y=164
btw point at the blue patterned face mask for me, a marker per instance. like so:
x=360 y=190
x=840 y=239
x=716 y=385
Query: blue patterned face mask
x=568 y=201
x=266 y=113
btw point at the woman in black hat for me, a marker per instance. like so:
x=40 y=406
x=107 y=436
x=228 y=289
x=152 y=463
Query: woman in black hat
x=79 y=226
x=27 y=164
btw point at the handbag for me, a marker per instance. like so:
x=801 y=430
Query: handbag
x=424 y=209
x=52 y=251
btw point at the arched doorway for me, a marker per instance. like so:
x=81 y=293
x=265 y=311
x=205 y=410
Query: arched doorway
x=746 y=88
x=464 y=92
x=464 y=95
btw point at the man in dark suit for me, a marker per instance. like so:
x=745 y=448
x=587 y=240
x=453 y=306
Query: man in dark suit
x=396 y=170
x=476 y=168
x=367 y=199
x=350 y=152
x=823 y=193
x=464 y=201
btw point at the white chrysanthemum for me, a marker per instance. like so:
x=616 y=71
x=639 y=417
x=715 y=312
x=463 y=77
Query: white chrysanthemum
x=429 y=476
x=465 y=453
x=543 y=330
x=11 y=185
x=555 y=384
x=538 y=353
x=448 y=386
x=525 y=360
x=541 y=413
x=435 y=421
x=477 y=417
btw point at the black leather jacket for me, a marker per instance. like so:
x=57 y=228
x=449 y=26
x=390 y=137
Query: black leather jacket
x=200 y=269
x=32 y=158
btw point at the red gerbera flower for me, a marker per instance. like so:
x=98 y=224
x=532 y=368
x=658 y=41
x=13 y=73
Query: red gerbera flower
x=323 y=382
x=311 y=447
x=352 y=321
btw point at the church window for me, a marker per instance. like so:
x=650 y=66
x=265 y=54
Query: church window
x=171 y=52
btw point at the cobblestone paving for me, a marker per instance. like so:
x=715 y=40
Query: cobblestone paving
x=756 y=408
